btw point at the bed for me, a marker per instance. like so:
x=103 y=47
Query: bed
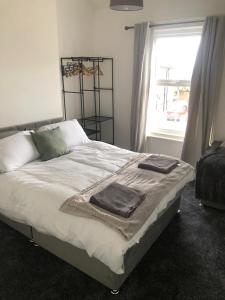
x=32 y=195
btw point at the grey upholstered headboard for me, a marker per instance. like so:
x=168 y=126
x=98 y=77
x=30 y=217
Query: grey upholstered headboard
x=7 y=131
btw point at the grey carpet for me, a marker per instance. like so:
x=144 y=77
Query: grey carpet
x=187 y=262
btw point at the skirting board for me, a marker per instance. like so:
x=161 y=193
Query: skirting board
x=90 y=265
x=213 y=204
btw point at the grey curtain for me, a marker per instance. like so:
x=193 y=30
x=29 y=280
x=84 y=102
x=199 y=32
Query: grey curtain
x=205 y=89
x=141 y=84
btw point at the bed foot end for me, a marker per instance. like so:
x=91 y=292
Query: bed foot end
x=114 y=292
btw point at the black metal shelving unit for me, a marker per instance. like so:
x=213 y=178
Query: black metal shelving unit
x=92 y=124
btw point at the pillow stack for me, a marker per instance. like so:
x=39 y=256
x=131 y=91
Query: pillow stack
x=47 y=143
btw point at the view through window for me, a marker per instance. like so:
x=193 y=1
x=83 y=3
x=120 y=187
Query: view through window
x=173 y=57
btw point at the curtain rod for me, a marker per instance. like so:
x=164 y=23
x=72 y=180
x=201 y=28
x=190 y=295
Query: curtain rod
x=166 y=24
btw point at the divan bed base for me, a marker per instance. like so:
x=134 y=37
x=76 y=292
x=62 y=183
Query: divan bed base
x=90 y=265
x=22 y=228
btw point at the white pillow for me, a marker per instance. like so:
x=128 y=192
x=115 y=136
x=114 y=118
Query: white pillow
x=17 y=150
x=73 y=133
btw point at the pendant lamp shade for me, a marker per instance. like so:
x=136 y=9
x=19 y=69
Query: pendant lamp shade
x=126 y=5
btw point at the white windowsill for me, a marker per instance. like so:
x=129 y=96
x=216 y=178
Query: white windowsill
x=166 y=136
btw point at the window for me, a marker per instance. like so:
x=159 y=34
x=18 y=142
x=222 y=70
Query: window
x=173 y=57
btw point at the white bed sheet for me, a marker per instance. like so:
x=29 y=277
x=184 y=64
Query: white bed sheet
x=33 y=195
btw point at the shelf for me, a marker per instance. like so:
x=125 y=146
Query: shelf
x=88 y=90
x=98 y=119
x=84 y=58
x=91 y=94
x=103 y=89
x=90 y=131
x=71 y=92
x=86 y=122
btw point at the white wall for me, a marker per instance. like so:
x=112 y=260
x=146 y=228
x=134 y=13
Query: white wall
x=164 y=146
x=34 y=36
x=75 y=27
x=29 y=67
x=111 y=39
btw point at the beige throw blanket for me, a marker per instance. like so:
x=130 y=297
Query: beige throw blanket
x=153 y=184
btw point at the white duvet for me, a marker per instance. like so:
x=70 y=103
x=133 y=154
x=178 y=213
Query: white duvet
x=34 y=193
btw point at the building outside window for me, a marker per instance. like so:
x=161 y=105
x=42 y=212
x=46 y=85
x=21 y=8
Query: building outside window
x=173 y=56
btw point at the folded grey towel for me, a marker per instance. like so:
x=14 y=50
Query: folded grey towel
x=159 y=164
x=118 y=199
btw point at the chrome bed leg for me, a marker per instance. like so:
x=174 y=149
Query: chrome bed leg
x=33 y=242
x=115 y=292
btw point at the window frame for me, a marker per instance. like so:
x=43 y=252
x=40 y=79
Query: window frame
x=169 y=31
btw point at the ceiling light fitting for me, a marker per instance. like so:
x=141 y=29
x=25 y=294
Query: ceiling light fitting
x=126 y=5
